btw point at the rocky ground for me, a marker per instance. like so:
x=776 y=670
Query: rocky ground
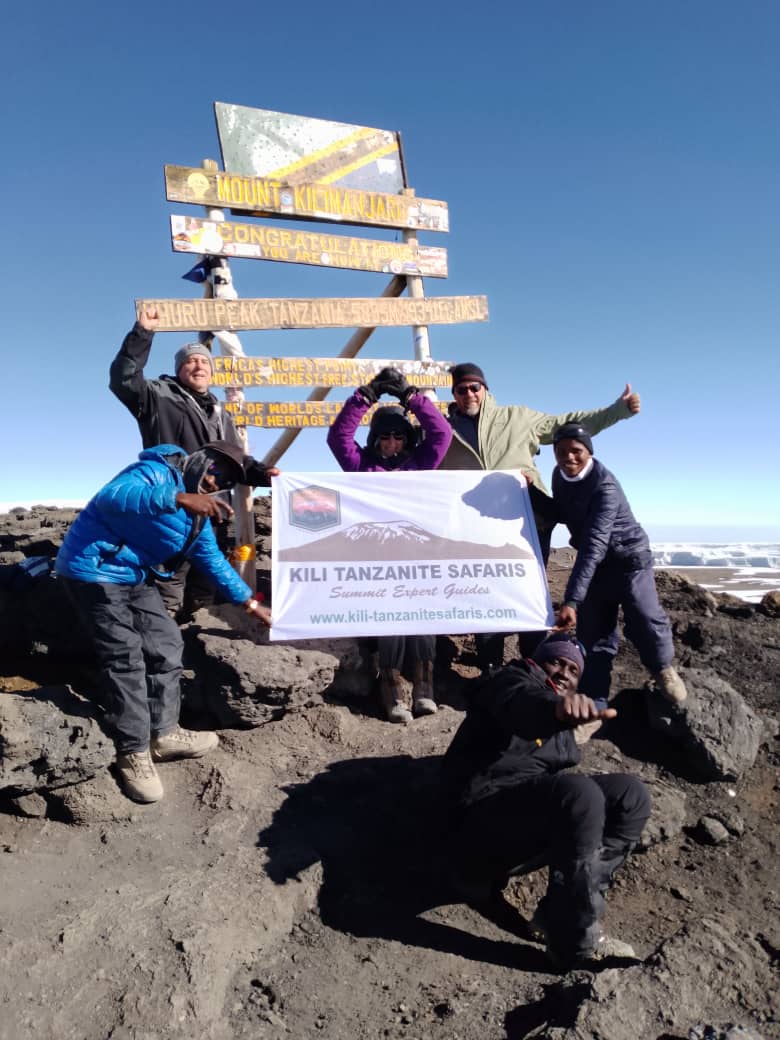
x=293 y=883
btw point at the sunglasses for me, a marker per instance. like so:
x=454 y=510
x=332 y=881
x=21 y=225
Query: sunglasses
x=467 y=388
x=394 y=434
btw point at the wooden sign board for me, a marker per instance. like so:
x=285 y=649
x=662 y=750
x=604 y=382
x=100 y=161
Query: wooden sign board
x=290 y=148
x=292 y=415
x=235 y=315
x=259 y=242
x=301 y=371
x=264 y=197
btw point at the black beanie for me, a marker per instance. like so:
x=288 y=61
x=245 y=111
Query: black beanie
x=574 y=431
x=466 y=370
x=389 y=419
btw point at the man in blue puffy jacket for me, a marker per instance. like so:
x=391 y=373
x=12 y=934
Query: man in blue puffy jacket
x=142 y=525
x=613 y=569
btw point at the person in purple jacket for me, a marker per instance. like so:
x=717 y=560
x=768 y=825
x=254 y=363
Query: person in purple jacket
x=394 y=443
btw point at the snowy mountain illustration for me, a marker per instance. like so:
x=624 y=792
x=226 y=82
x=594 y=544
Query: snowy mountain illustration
x=399 y=540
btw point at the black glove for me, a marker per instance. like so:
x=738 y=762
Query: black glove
x=381 y=384
x=394 y=382
x=256 y=473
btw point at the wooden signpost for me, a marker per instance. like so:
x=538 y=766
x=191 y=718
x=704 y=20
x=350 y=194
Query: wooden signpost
x=208 y=315
x=308 y=372
x=296 y=168
x=264 y=197
x=260 y=242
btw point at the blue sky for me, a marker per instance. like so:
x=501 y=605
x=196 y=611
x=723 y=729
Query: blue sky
x=612 y=174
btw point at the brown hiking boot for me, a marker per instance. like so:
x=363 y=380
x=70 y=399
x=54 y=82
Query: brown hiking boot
x=670 y=685
x=393 y=697
x=605 y=949
x=183 y=743
x=423 y=702
x=138 y=777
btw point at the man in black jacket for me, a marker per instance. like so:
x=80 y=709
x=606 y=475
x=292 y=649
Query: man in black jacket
x=613 y=569
x=178 y=410
x=514 y=808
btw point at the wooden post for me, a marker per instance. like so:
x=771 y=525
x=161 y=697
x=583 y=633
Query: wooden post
x=414 y=284
x=350 y=349
x=243 y=557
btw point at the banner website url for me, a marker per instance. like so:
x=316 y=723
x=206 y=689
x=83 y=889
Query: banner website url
x=384 y=617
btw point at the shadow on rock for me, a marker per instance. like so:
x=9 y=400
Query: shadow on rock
x=375 y=826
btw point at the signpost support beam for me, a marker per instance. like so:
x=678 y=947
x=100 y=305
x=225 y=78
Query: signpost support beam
x=350 y=349
x=414 y=284
x=243 y=515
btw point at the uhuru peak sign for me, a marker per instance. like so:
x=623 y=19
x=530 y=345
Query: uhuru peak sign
x=207 y=315
x=301 y=169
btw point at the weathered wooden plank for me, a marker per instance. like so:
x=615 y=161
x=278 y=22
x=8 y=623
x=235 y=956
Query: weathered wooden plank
x=301 y=371
x=265 y=197
x=295 y=414
x=260 y=242
x=207 y=315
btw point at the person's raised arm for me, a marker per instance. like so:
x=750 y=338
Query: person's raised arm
x=126 y=375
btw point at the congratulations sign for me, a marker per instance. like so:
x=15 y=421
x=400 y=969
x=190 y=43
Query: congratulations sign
x=405 y=553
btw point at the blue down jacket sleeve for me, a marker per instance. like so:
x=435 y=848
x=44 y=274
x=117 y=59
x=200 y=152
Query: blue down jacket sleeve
x=133 y=525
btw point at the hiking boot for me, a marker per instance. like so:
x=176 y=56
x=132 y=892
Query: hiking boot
x=183 y=743
x=138 y=777
x=393 y=696
x=423 y=702
x=670 y=685
x=606 y=948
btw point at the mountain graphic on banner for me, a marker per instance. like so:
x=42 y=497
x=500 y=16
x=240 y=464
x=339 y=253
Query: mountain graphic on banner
x=399 y=540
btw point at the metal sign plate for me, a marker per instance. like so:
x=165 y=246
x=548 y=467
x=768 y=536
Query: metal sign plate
x=260 y=143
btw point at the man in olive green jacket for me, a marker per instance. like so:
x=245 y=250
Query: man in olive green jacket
x=491 y=436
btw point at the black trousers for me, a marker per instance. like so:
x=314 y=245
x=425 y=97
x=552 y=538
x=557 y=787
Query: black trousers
x=139 y=647
x=395 y=650
x=581 y=827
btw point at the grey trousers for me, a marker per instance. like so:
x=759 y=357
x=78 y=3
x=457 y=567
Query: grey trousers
x=139 y=648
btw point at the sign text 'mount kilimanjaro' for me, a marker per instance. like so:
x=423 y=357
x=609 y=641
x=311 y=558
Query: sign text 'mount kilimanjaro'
x=260 y=242
x=208 y=315
x=303 y=201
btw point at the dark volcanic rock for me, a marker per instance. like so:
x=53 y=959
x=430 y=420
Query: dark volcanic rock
x=49 y=738
x=720 y=732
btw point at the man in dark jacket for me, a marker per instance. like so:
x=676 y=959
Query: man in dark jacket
x=153 y=511
x=490 y=436
x=514 y=808
x=613 y=569
x=178 y=410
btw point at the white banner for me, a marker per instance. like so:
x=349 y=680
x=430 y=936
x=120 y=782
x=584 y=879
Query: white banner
x=405 y=553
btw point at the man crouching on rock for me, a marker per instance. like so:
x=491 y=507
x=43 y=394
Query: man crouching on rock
x=515 y=809
x=150 y=516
